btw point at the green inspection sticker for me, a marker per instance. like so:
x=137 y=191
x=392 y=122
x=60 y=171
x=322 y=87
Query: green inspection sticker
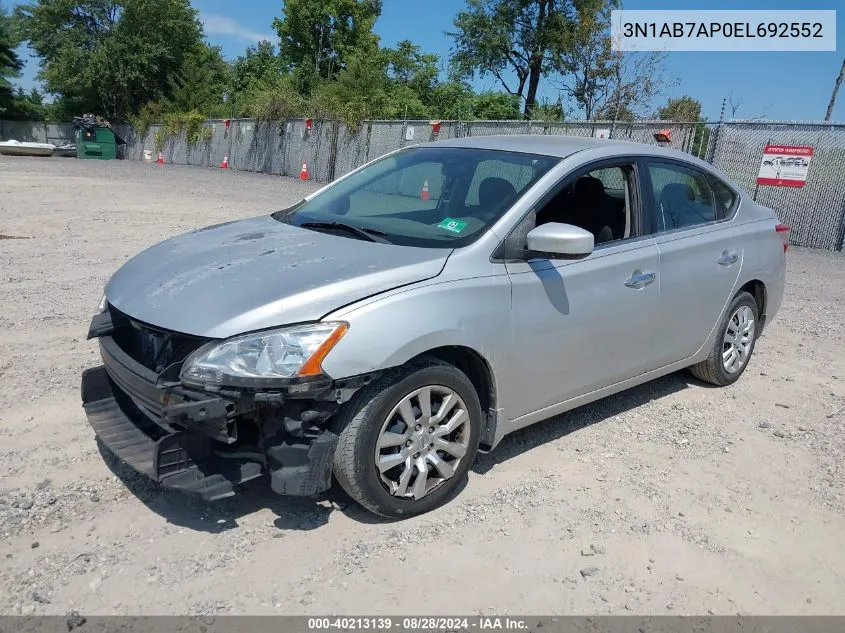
x=450 y=224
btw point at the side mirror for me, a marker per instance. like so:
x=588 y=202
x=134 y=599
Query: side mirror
x=564 y=240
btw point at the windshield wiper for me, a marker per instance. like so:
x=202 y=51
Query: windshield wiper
x=371 y=235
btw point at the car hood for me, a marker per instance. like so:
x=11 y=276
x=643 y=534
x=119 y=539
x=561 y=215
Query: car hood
x=252 y=274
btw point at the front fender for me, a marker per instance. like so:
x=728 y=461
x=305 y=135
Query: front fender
x=394 y=328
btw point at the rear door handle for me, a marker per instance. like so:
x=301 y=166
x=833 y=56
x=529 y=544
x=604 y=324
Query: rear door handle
x=639 y=280
x=728 y=258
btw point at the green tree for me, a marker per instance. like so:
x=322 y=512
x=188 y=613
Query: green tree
x=201 y=82
x=111 y=56
x=405 y=102
x=408 y=66
x=271 y=102
x=10 y=64
x=323 y=35
x=258 y=66
x=492 y=105
x=615 y=111
x=585 y=60
x=452 y=100
x=549 y=111
x=681 y=109
x=686 y=109
x=29 y=106
x=522 y=38
x=361 y=91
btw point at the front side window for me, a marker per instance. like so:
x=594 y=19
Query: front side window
x=435 y=197
x=683 y=196
x=598 y=201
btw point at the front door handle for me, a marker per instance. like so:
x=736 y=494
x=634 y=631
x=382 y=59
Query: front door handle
x=639 y=280
x=728 y=259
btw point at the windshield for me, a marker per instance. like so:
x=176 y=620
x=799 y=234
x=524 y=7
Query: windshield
x=435 y=197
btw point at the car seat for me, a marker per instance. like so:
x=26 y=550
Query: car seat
x=493 y=193
x=590 y=208
x=679 y=209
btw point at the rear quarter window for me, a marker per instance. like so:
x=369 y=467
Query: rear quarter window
x=726 y=199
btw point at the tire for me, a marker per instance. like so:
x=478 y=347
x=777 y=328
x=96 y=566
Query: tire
x=713 y=369
x=369 y=415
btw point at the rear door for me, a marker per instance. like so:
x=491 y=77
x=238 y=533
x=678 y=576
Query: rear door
x=700 y=254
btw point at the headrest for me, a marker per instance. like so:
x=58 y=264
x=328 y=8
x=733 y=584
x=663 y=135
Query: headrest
x=587 y=187
x=492 y=191
x=676 y=193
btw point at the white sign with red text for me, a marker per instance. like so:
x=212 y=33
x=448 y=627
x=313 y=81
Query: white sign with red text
x=785 y=165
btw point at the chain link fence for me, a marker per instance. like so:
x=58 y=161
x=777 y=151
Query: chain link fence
x=29 y=132
x=330 y=149
x=816 y=211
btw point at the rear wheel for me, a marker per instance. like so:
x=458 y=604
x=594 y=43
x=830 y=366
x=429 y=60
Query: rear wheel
x=734 y=344
x=408 y=440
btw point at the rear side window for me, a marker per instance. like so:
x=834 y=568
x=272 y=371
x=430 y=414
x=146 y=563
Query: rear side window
x=725 y=197
x=683 y=196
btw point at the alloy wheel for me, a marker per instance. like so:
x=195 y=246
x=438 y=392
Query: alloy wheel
x=738 y=339
x=422 y=442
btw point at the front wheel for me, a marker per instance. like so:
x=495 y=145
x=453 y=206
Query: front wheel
x=408 y=440
x=734 y=344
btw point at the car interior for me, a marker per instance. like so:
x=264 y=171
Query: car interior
x=598 y=201
x=684 y=198
x=592 y=205
x=679 y=207
x=471 y=196
x=493 y=193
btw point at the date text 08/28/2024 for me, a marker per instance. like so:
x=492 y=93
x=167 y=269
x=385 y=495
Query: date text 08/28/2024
x=418 y=623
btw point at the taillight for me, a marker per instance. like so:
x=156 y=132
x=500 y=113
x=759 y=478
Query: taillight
x=783 y=230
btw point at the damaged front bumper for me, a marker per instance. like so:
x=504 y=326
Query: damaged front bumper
x=208 y=443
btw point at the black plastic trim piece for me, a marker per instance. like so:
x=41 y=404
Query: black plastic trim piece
x=184 y=461
x=101 y=325
x=302 y=469
x=138 y=382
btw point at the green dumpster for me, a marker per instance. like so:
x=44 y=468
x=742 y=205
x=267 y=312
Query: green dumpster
x=97 y=142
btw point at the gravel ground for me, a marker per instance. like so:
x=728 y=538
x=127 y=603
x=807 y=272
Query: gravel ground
x=670 y=498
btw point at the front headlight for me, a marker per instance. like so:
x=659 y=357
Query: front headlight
x=101 y=307
x=263 y=358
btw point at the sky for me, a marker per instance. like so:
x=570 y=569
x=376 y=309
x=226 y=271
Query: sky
x=773 y=85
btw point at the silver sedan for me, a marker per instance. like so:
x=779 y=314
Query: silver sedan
x=388 y=327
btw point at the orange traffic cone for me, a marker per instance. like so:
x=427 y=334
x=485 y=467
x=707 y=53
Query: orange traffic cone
x=160 y=159
x=225 y=163
x=424 y=193
x=303 y=175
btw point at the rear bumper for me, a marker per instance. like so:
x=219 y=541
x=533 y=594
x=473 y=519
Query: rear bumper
x=203 y=443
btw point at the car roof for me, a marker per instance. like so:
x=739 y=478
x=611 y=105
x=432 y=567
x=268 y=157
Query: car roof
x=554 y=145
x=564 y=146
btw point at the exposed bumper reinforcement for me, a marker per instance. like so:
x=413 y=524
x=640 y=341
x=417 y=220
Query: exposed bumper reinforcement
x=192 y=460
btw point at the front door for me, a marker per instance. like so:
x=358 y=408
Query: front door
x=582 y=325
